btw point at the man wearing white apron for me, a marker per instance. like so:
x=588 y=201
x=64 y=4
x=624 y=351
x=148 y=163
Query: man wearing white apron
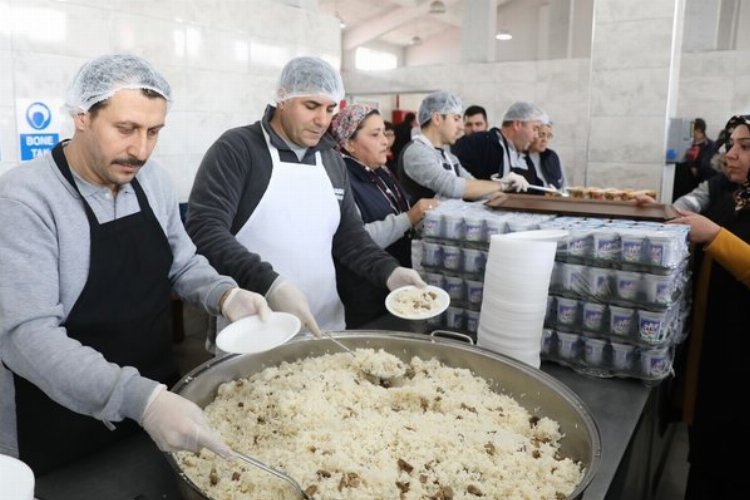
x=271 y=204
x=425 y=168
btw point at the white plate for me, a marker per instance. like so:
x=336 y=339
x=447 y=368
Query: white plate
x=250 y=335
x=441 y=302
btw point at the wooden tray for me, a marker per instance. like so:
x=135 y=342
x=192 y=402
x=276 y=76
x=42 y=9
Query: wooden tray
x=582 y=207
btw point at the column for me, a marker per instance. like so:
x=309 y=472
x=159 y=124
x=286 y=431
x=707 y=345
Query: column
x=635 y=58
x=479 y=30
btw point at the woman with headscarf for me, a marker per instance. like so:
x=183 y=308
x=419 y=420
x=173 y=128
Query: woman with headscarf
x=359 y=131
x=720 y=336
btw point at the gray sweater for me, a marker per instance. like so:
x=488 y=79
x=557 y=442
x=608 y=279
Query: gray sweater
x=424 y=165
x=231 y=181
x=44 y=244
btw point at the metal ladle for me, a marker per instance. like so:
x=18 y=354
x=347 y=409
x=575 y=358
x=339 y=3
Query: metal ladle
x=275 y=472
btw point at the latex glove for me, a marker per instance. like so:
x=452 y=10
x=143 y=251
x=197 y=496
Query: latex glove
x=240 y=303
x=175 y=423
x=403 y=276
x=288 y=298
x=515 y=182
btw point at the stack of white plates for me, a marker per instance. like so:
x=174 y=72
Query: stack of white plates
x=516 y=284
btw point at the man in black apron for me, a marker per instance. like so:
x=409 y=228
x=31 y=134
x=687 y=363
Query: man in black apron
x=498 y=152
x=96 y=342
x=426 y=169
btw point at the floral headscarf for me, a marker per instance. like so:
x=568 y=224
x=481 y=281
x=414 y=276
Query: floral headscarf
x=742 y=195
x=347 y=121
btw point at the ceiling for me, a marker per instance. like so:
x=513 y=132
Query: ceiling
x=395 y=22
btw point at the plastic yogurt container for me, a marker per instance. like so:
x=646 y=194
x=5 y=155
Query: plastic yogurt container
x=567 y=311
x=453 y=226
x=652 y=326
x=594 y=351
x=620 y=320
x=655 y=363
x=622 y=357
x=451 y=257
x=628 y=284
x=593 y=316
x=632 y=247
x=432 y=225
x=568 y=346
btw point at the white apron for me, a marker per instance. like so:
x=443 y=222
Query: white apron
x=292 y=228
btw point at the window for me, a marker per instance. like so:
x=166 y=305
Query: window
x=374 y=60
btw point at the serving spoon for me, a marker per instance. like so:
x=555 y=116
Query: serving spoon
x=257 y=463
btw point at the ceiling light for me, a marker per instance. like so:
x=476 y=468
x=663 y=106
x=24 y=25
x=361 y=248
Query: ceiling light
x=504 y=36
x=437 y=7
x=342 y=24
x=415 y=40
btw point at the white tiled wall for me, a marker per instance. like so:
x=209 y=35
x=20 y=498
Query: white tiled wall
x=559 y=86
x=221 y=58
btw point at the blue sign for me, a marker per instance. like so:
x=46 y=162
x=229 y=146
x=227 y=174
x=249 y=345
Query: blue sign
x=33 y=145
x=38 y=116
x=40 y=133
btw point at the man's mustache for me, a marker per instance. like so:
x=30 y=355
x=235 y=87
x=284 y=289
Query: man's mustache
x=129 y=162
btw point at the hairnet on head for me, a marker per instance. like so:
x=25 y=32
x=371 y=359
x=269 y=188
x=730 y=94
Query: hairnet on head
x=102 y=77
x=440 y=102
x=307 y=76
x=347 y=121
x=525 y=112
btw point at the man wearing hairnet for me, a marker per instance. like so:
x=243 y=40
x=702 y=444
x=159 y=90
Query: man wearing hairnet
x=277 y=191
x=426 y=169
x=500 y=151
x=92 y=247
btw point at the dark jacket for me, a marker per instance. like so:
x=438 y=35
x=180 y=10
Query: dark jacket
x=363 y=301
x=481 y=153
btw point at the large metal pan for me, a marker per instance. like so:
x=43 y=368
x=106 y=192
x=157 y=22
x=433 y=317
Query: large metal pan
x=533 y=389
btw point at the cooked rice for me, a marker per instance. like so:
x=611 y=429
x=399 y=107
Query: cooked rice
x=415 y=302
x=436 y=433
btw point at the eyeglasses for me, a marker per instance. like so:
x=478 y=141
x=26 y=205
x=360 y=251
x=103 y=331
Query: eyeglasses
x=544 y=135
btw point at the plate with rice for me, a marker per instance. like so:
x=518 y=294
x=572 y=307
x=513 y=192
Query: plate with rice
x=412 y=302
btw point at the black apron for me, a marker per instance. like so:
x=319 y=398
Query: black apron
x=122 y=312
x=528 y=173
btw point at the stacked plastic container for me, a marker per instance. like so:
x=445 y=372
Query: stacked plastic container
x=617 y=304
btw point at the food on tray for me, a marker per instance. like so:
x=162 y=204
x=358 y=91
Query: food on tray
x=435 y=432
x=610 y=193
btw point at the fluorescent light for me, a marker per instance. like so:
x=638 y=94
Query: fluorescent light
x=437 y=7
x=504 y=36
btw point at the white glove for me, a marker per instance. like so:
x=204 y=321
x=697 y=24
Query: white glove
x=515 y=182
x=403 y=276
x=286 y=297
x=240 y=303
x=175 y=424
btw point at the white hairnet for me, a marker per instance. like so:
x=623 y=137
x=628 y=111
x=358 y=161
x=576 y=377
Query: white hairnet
x=525 y=112
x=102 y=77
x=440 y=102
x=308 y=76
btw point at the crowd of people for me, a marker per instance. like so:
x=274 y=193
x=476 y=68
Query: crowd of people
x=309 y=210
